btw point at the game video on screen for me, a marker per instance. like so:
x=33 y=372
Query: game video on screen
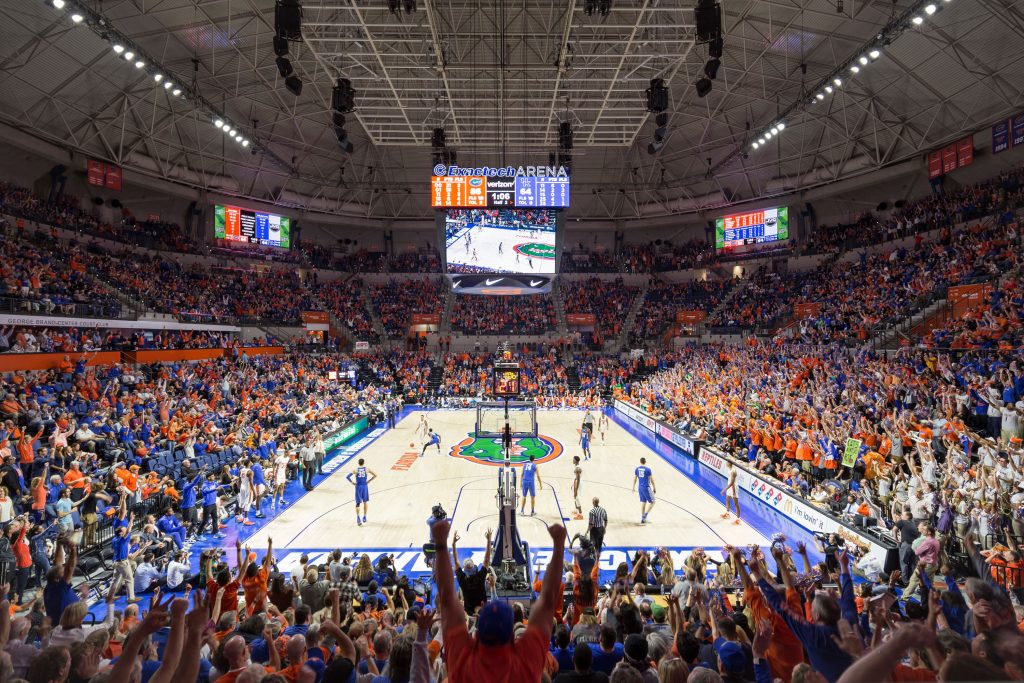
x=500 y=240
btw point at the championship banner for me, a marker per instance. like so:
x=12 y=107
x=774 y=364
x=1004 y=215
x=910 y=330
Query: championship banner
x=934 y=164
x=806 y=310
x=690 y=317
x=964 y=298
x=949 y=158
x=113 y=181
x=95 y=172
x=1001 y=136
x=1017 y=130
x=965 y=152
x=850 y=453
x=314 y=317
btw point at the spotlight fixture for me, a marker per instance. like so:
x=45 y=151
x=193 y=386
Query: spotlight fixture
x=775 y=130
x=294 y=85
x=229 y=130
x=77 y=18
x=167 y=85
x=57 y=4
x=828 y=89
x=855 y=69
x=761 y=140
x=118 y=48
x=218 y=124
x=158 y=77
x=129 y=55
x=410 y=6
x=820 y=96
x=284 y=67
x=245 y=143
x=863 y=60
x=874 y=54
x=838 y=82
x=139 y=64
x=781 y=125
x=930 y=9
x=917 y=21
x=176 y=92
x=703 y=87
x=768 y=135
x=604 y=7
x=755 y=145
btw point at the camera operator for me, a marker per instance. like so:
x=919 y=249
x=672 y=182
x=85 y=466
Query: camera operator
x=384 y=572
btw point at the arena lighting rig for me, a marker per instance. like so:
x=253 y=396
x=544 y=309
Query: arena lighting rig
x=78 y=13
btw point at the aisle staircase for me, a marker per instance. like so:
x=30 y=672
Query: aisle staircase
x=378 y=326
x=572 y=377
x=445 y=328
x=434 y=380
x=556 y=299
x=337 y=326
x=620 y=342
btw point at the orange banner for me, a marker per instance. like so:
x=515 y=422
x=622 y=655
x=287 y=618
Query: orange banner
x=964 y=298
x=690 y=317
x=580 y=319
x=12 y=362
x=314 y=317
x=203 y=354
x=426 y=318
x=806 y=310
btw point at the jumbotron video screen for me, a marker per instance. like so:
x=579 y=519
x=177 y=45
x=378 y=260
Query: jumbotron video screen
x=500 y=240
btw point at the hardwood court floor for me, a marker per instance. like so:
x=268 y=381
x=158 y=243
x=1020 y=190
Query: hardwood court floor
x=463 y=479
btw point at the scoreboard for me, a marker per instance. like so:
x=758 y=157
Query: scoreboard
x=252 y=227
x=753 y=227
x=496 y=192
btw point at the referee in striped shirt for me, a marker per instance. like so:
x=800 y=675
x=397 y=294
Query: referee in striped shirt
x=596 y=525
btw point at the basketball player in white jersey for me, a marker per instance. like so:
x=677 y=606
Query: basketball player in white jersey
x=732 y=495
x=602 y=425
x=577 y=472
x=422 y=427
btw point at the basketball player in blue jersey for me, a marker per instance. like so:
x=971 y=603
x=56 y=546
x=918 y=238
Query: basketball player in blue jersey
x=531 y=480
x=433 y=439
x=645 y=478
x=585 y=435
x=363 y=477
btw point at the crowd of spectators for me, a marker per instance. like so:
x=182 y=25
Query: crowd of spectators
x=608 y=300
x=525 y=315
x=16 y=339
x=397 y=300
x=664 y=300
x=344 y=298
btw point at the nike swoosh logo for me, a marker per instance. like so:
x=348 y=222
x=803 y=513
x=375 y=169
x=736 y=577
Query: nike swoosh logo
x=534 y=283
x=457 y=283
x=491 y=283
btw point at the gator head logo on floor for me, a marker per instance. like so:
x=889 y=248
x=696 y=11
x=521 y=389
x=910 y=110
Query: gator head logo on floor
x=487 y=451
x=536 y=250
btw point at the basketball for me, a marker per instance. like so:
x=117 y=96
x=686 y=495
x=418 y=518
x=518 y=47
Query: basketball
x=412 y=445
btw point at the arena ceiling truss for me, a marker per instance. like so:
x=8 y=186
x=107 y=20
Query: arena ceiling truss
x=499 y=76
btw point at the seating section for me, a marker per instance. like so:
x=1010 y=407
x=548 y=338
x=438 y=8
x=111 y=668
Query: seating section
x=344 y=299
x=664 y=300
x=397 y=300
x=608 y=300
x=489 y=315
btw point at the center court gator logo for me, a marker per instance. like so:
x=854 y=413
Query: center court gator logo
x=487 y=451
x=536 y=250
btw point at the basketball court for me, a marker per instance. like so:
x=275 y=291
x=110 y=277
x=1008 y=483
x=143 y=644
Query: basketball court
x=463 y=478
x=518 y=249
